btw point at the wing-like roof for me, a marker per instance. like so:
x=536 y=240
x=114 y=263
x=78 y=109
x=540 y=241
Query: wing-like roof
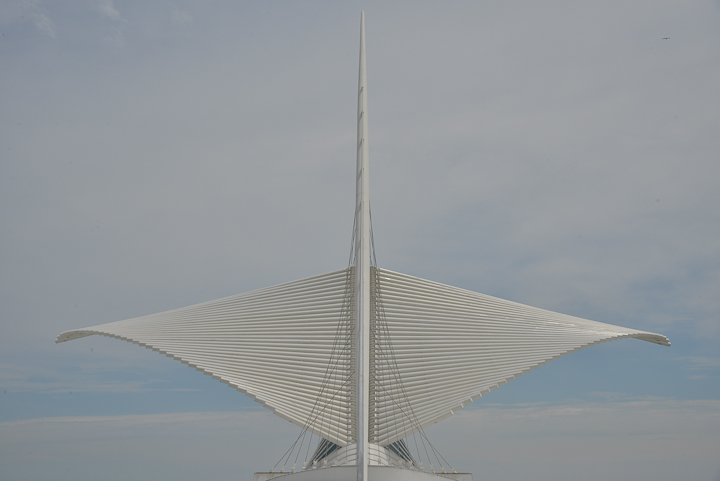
x=274 y=344
x=434 y=348
x=450 y=346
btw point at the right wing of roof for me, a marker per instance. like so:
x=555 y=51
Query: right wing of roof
x=274 y=344
x=451 y=346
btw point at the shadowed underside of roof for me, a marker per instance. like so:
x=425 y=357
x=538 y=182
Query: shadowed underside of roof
x=435 y=348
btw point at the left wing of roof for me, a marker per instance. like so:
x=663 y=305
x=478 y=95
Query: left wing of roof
x=273 y=344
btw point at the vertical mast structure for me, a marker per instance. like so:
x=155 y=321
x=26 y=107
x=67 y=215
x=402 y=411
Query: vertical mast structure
x=362 y=270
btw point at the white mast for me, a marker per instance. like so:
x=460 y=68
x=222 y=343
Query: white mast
x=362 y=270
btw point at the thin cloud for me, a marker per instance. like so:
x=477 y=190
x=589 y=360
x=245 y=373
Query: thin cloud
x=13 y=12
x=84 y=378
x=107 y=9
x=115 y=37
x=652 y=438
x=595 y=438
x=181 y=17
x=700 y=362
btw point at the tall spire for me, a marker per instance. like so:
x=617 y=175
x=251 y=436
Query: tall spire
x=362 y=270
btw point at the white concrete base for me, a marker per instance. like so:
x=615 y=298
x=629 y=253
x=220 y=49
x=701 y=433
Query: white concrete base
x=349 y=473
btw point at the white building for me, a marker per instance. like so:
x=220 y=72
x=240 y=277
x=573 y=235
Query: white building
x=363 y=358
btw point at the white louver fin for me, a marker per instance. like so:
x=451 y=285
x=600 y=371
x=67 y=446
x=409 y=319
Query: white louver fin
x=450 y=346
x=274 y=344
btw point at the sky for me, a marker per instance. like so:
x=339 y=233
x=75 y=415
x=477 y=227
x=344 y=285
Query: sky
x=155 y=155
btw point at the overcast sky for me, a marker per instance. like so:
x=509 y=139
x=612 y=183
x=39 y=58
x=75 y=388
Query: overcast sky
x=158 y=154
